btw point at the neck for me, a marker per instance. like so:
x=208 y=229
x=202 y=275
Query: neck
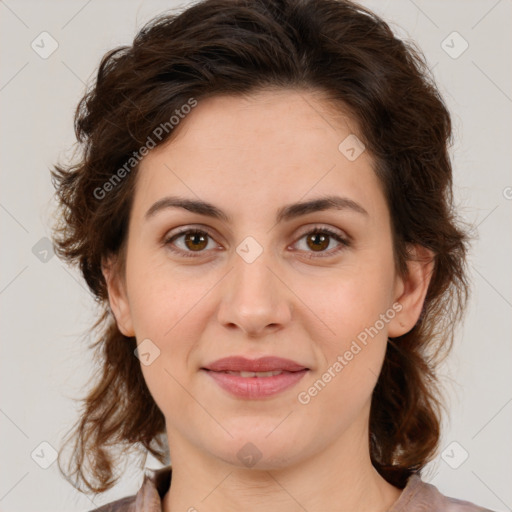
x=340 y=478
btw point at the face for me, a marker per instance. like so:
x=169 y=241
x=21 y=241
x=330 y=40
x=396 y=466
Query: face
x=315 y=285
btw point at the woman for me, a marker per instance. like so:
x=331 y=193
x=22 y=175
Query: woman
x=263 y=207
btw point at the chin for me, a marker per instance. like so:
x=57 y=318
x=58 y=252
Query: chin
x=257 y=449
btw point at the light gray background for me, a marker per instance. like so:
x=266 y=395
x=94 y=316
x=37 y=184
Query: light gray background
x=45 y=307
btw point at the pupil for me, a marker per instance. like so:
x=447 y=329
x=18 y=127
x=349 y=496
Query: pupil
x=315 y=238
x=195 y=239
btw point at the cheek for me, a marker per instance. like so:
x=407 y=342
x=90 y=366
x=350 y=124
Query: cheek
x=353 y=307
x=170 y=316
x=350 y=352
x=349 y=301
x=161 y=298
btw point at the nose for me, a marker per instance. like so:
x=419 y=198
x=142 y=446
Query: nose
x=255 y=298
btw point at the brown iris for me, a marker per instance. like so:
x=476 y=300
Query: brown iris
x=196 y=240
x=319 y=241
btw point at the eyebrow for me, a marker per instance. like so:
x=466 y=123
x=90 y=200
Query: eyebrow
x=285 y=213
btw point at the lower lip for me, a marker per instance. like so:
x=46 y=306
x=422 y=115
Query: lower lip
x=256 y=387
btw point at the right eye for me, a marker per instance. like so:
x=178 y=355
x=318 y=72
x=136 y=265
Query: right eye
x=193 y=241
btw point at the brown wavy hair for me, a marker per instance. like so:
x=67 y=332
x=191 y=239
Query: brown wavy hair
x=239 y=47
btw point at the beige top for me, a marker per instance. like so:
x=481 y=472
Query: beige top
x=417 y=496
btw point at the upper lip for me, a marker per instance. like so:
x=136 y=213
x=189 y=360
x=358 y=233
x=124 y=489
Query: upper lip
x=262 y=364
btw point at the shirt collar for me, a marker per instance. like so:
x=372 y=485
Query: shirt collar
x=157 y=482
x=154 y=487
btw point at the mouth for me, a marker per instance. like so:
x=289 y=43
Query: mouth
x=254 y=387
x=260 y=367
x=254 y=374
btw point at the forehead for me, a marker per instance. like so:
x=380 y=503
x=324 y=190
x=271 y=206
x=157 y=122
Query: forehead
x=272 y=147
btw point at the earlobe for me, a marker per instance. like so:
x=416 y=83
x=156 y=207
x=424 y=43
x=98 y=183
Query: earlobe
x=411 y=290
x=118 y=298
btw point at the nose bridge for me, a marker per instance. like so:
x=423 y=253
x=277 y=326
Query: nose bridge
x=253 y=298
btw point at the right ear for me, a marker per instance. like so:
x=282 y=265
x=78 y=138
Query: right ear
x=117 y=297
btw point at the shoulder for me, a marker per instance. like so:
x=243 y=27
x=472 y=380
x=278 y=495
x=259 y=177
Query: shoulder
x=123 y=505
x=148 y=499
x=419 y=496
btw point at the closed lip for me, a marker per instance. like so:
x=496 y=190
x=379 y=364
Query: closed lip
x=262 y=364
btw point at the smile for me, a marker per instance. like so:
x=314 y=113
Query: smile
x=255 y=385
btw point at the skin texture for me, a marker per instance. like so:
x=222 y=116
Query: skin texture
x=250 y=156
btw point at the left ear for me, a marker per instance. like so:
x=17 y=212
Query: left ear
x=411 y=290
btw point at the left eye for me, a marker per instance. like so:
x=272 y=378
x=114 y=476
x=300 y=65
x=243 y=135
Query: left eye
x=319 y=239
x=196 y=240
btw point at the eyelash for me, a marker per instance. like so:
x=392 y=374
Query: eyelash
x=322 y=230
